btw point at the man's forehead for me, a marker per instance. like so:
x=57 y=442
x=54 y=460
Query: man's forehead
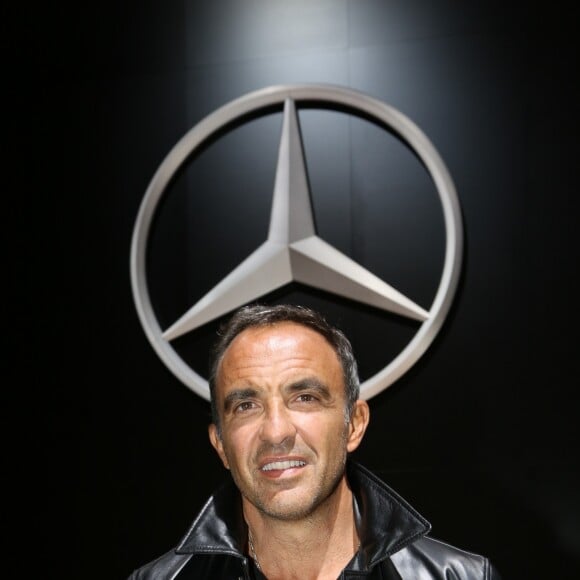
x=279 y=334
x=280 y=359
x=283 y=341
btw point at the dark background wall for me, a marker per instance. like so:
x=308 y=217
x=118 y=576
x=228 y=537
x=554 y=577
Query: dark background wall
x=106 y=451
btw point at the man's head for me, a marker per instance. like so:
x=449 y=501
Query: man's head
x=264 y=316
x=283 y=384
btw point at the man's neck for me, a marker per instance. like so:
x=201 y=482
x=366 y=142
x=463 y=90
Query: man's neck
x=316 y=547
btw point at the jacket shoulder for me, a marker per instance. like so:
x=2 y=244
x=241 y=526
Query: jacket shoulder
x=166 y=567
x=177 y=566
x=438 y=560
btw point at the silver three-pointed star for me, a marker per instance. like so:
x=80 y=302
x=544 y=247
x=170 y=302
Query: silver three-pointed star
x=293 y=252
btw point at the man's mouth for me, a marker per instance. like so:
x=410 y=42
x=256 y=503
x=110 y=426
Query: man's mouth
x=280 y=465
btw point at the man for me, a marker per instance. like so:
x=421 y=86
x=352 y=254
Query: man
x=286 y=414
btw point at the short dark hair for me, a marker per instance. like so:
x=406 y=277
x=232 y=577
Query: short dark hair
x=259 y=315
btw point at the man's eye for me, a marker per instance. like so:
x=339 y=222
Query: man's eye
x=306 y=398
x=245 y=406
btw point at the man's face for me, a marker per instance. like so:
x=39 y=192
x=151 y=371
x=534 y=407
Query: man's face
x=281 y=399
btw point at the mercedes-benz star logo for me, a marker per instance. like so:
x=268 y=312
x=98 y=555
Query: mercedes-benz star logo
x=293 y=251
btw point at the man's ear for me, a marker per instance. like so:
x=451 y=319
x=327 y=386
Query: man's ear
x=357 y=425
x=216 y=442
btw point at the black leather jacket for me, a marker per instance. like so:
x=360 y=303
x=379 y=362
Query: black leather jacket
x=393 y=538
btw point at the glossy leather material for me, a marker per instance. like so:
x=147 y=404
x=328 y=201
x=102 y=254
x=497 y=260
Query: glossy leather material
x=394 y=542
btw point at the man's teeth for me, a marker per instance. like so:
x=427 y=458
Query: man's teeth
x=282 y=465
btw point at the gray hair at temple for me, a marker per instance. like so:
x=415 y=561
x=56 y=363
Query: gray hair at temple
x=261 y=315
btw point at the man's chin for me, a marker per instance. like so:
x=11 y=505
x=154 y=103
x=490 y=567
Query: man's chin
x=288 y=504
x=287 y=512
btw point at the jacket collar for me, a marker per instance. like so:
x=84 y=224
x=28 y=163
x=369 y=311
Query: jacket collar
x=385 y=521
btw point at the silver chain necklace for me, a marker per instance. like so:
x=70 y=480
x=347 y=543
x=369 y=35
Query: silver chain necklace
x=251 y=542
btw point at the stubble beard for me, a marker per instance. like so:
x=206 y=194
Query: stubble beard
x=296 y=509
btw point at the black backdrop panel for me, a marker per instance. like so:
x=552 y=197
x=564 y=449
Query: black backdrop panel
x=480 y=435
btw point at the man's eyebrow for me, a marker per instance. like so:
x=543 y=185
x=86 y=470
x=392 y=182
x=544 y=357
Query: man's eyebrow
x=310 y=384
x=238 y=395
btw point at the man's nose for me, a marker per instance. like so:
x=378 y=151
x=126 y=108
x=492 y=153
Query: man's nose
x=277 y=425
